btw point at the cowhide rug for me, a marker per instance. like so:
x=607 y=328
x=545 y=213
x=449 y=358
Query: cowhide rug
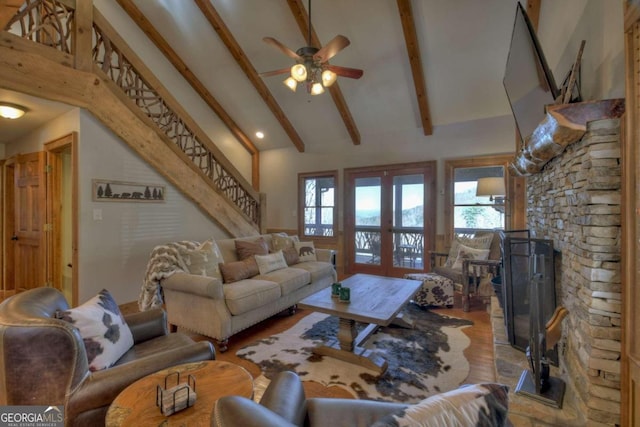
x=422 y=361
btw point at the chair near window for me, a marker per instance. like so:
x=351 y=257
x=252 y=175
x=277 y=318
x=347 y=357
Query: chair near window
x=471 y=276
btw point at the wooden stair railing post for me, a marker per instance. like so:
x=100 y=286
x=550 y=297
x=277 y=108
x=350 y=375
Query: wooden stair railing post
x=82 y=35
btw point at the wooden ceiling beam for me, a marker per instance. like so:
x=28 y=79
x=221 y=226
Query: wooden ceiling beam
x=300 y=14
x=8 y=9
x=533 y=12
x=413 y=50
x=147 y=27
x=238 y=54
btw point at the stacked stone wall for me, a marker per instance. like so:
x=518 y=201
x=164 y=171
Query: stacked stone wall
x=575 y=201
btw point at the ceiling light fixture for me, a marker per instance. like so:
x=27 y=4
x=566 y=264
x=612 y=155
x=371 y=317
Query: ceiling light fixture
x=312 y=65
x=11 y=111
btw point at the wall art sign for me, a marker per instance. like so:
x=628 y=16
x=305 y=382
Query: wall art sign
x=105 y=190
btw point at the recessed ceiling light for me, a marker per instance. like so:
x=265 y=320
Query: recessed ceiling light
x=259 y=135
x=11 y=111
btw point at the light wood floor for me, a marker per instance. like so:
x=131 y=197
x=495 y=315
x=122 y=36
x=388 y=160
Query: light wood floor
x=479 y=353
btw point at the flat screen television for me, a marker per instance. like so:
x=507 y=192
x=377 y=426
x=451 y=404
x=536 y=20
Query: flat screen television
x=528 y=81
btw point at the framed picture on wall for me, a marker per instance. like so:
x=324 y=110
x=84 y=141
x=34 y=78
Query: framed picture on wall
x=105 y=190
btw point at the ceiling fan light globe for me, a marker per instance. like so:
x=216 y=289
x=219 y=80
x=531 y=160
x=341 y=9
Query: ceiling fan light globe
x=317 y=89
x=299 y=72
x=291 y=83
x=328 y=78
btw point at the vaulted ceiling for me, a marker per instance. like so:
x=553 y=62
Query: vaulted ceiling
x=427 y=63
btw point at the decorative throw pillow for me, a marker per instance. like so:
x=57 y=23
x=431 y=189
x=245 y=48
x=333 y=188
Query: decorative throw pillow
x=470 y=405
x=203 y=260
x=270 y=262
x=238 y=270
x=281 y=241
x=306 y=251
x=479 y=241
x=105 y=334
x=291 y=256
x=246 y=249
x=465 y=252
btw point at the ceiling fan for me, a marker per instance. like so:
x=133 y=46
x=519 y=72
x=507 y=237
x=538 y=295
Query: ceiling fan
x=311 y=63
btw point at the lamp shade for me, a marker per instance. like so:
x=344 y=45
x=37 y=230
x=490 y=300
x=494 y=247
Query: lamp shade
x=491 y=186
x=299 y=72
x=291 y=83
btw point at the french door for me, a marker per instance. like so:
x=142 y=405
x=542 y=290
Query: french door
x=389 y=218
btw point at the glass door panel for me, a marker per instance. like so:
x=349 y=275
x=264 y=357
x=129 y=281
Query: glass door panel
x=408 y=221
x=368 y=220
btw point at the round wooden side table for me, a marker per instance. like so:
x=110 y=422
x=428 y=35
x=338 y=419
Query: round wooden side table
x=136 y=404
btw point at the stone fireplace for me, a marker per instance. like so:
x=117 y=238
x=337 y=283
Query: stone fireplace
x=575 y=202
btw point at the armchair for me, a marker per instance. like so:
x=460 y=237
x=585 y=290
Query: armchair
x=284 y=405
x=44 y=362
x=469 y=277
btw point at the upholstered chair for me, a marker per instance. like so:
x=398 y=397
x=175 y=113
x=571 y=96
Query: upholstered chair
x=469 y=274
x=284 y=404
x=43 y=360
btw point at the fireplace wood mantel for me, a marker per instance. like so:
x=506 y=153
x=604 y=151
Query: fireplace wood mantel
x=563 y=125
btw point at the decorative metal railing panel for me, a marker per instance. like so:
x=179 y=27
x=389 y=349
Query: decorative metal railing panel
x=47 y=22
x=323 y=230
x=51 y=22
x=120 y=70
x=367 y=241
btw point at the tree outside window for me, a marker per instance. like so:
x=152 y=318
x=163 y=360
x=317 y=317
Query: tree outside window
x=476 y=212
x=317 y=201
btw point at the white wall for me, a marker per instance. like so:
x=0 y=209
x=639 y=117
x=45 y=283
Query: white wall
x=564 y=24
x=114 y=251
x=279 y=168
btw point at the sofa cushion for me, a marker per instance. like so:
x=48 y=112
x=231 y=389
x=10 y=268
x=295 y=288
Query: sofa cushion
x=238 y=270
x=306 y=251
x=203 y=260
x=465 y=252
x=270 y=262
x=318 y=269
x=291 y=256
x=470 y=405
x=450 y=273
x=249 y=294
x=102 y=327
x=480 y=241
x=280 y=241
x=289 y=279
x=246 y=249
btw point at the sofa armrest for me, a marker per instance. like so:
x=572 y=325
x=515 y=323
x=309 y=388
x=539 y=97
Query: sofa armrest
x=230 y=411
x=326 y=255
x=100 y=388
x=348 y=412
x=209 y=287
x=285 y=396
x=147 y=324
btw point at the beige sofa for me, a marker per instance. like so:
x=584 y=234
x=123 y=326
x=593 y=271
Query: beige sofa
x=208 y=306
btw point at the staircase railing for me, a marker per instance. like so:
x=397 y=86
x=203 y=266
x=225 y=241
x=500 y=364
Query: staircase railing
x=52 y=23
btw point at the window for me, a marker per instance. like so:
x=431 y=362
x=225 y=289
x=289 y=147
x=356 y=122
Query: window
x=464 y=209
x=477 y=211
x=317 y=211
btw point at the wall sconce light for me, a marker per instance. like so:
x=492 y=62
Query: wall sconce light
x=11 y=111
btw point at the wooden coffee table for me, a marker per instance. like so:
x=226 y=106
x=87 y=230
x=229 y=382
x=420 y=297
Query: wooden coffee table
x=136 y=404
x=375 y=300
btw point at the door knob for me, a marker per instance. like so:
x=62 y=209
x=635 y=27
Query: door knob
x=14 y=237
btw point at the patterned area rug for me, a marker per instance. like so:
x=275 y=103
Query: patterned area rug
x=422 y=361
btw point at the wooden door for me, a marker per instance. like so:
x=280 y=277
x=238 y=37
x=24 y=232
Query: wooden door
x=630 y=388
x=28 y=237
x=389 y=218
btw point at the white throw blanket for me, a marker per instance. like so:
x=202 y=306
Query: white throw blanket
x=164 y=261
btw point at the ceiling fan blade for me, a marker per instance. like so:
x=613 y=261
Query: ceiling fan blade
x=330 y=49
x=276 y=72
x=352 y=73
x=275 y=43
